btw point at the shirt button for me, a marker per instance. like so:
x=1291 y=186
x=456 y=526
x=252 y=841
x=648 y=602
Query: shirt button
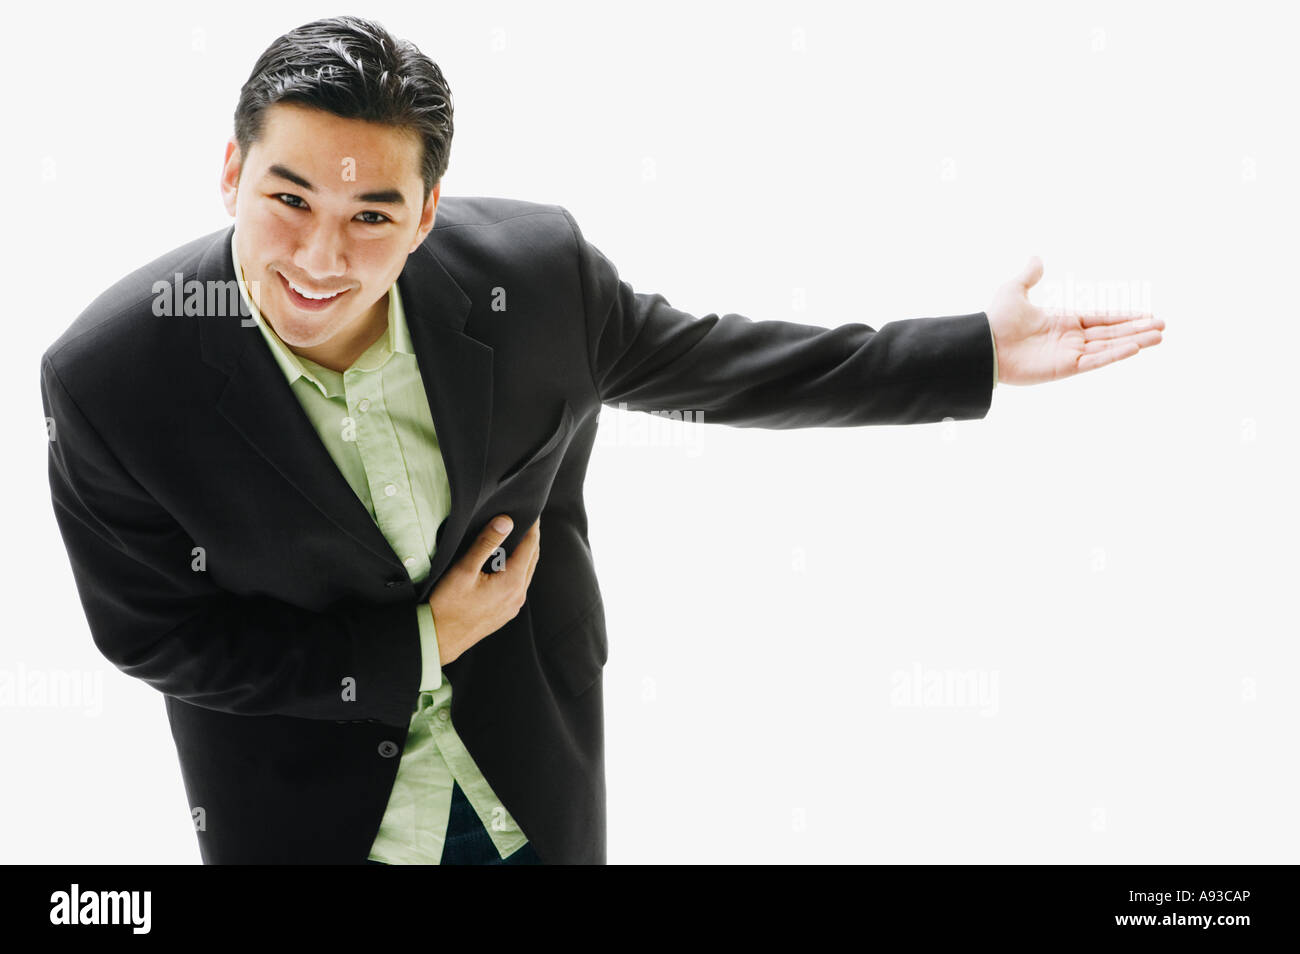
x=444 y=715
x=409 y=562
x=363 y=404
x=390 y=490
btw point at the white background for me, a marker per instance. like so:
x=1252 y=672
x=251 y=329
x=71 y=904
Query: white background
x=1108 y=557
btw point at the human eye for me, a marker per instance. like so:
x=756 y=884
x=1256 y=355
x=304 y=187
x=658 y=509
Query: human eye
x=289 y=195
x=380 y=221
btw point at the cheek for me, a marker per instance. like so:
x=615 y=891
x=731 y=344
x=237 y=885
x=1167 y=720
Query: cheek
x=373 y=262
x=274 y=230
x=274 y=237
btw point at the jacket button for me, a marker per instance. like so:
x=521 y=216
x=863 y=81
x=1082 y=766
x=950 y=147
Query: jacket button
x=387 y=749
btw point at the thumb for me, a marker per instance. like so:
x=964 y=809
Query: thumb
x=489 y=539
x=1031 y=273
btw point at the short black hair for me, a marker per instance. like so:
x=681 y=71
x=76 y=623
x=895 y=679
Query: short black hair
x=355 y=69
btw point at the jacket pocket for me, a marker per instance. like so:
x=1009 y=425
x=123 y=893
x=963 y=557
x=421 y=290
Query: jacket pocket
x=576 y=655
x=523 y=492
x=550 y=444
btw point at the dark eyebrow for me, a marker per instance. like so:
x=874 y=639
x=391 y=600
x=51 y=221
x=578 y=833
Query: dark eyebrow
x=382 y=197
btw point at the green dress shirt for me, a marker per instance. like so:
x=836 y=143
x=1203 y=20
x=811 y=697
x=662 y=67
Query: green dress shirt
x=375 y=421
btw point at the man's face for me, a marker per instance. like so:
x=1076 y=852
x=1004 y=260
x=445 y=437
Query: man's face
x=330 y=205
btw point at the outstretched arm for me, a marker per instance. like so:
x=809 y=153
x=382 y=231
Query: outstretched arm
x=646 y=355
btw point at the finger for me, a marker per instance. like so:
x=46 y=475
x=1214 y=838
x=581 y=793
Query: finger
x=1144 y=339
x=1112 y=318
x=497 y=529
x=535 y=535
x=523 y=553
x=1119 y=327
x=1099 y=359
x=1031 y=273
x=532 y=566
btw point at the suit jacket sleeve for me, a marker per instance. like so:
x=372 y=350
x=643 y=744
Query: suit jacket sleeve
x=649 y=356
x=156 y=618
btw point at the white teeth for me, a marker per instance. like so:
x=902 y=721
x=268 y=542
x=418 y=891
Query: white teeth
x=311 y=296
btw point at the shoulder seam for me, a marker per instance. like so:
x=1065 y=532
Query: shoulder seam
x=582 y=297
x=550 y=210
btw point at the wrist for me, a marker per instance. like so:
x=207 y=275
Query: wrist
x=447 y=651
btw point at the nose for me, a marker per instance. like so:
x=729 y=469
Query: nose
x=320 y=255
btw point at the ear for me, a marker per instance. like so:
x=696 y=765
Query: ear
x=427 y=215
x=230 y=175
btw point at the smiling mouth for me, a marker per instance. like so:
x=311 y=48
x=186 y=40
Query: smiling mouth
x=309 y=299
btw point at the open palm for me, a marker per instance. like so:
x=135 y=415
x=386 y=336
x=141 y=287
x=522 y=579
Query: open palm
x=1034 y=345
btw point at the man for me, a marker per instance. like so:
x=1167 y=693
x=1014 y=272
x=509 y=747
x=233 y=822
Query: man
x=282 y=453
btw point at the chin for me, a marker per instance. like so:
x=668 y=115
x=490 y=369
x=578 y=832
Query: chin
x=306 y=333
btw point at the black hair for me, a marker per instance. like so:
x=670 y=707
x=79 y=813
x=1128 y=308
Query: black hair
x=355 y=69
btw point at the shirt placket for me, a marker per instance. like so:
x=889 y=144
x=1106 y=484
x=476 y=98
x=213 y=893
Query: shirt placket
x=500 y=825
x=395 y=510
x=386 y=475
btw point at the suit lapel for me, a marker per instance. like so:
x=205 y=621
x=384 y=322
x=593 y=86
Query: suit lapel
x=457 y=373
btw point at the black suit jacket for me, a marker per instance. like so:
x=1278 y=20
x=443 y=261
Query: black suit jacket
x=171 y=433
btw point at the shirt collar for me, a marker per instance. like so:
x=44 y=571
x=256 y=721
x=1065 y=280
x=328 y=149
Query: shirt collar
x=397 y=340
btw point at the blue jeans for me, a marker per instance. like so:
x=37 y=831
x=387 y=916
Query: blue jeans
x=468 y=842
